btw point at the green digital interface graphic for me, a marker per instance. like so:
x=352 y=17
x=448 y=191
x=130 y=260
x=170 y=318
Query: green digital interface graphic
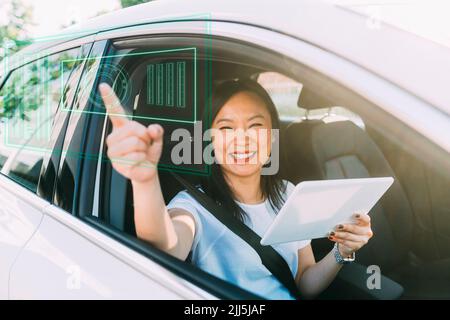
x=44 y=82
x=175 y=91
x=29 y=100
x=166 y=82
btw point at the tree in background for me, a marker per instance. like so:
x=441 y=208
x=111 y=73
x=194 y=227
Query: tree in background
x=13 y=33
x=129 y=3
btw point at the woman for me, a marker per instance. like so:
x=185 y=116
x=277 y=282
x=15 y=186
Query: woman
x=184 y=226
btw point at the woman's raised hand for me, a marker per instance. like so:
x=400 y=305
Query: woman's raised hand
x=134 y=150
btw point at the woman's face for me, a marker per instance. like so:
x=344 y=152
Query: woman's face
x=242 y=135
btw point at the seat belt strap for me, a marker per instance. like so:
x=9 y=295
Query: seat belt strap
x=270 y=258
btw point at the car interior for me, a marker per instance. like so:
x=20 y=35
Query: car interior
x=411 y=223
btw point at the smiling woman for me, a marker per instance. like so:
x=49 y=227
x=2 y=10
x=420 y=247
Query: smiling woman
x=243 y=107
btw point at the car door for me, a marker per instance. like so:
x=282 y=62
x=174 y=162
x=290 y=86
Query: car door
x=20 y=215
x=27 y=118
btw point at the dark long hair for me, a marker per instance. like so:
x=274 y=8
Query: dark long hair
x=215 y=185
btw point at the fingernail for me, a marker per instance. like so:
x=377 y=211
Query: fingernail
x=103 y=86
x=156 y=129
x=340 y=226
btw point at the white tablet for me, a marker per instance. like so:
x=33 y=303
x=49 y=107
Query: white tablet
x=314 y=208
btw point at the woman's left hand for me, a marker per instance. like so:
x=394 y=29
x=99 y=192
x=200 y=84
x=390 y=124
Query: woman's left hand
x=352 y=237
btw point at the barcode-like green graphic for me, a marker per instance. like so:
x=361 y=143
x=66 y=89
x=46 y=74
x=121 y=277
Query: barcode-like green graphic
x=181 y=72
x=151 y=84
x=166 y=84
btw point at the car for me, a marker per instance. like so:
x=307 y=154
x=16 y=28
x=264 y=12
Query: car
x=354 y=102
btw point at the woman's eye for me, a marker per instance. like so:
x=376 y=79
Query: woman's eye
x=256 y=125
x=225 y=128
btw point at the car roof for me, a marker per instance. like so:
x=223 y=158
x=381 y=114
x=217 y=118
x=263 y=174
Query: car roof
x=416 y=64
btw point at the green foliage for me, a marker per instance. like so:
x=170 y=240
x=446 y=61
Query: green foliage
x=35 y=86
x=14 y=34
x=129 y=3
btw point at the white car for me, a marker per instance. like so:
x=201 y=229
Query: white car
x=354 y=100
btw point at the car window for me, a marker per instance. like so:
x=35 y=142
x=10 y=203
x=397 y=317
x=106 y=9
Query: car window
x=28 y=103
x=338 y=149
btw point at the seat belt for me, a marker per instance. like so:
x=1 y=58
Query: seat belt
x=270 y=258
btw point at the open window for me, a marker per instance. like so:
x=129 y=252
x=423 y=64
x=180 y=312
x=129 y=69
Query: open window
x=159 y=80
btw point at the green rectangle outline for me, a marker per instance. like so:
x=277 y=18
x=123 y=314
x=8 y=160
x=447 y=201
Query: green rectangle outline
x=140 y=54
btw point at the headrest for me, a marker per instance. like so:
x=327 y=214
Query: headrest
x=311 y=100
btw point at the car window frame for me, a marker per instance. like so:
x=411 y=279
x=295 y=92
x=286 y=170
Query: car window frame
x=131 y=241
x=374 y=110
x=205 y=281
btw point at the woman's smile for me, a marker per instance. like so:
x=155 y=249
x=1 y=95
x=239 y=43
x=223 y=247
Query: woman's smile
x=243 y=157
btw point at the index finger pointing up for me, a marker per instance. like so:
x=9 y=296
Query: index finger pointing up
x=113 y=107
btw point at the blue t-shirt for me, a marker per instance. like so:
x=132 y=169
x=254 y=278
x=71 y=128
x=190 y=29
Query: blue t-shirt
x=220 y=252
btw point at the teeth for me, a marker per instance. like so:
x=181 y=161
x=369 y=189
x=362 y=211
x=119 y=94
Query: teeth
x=241 y=156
